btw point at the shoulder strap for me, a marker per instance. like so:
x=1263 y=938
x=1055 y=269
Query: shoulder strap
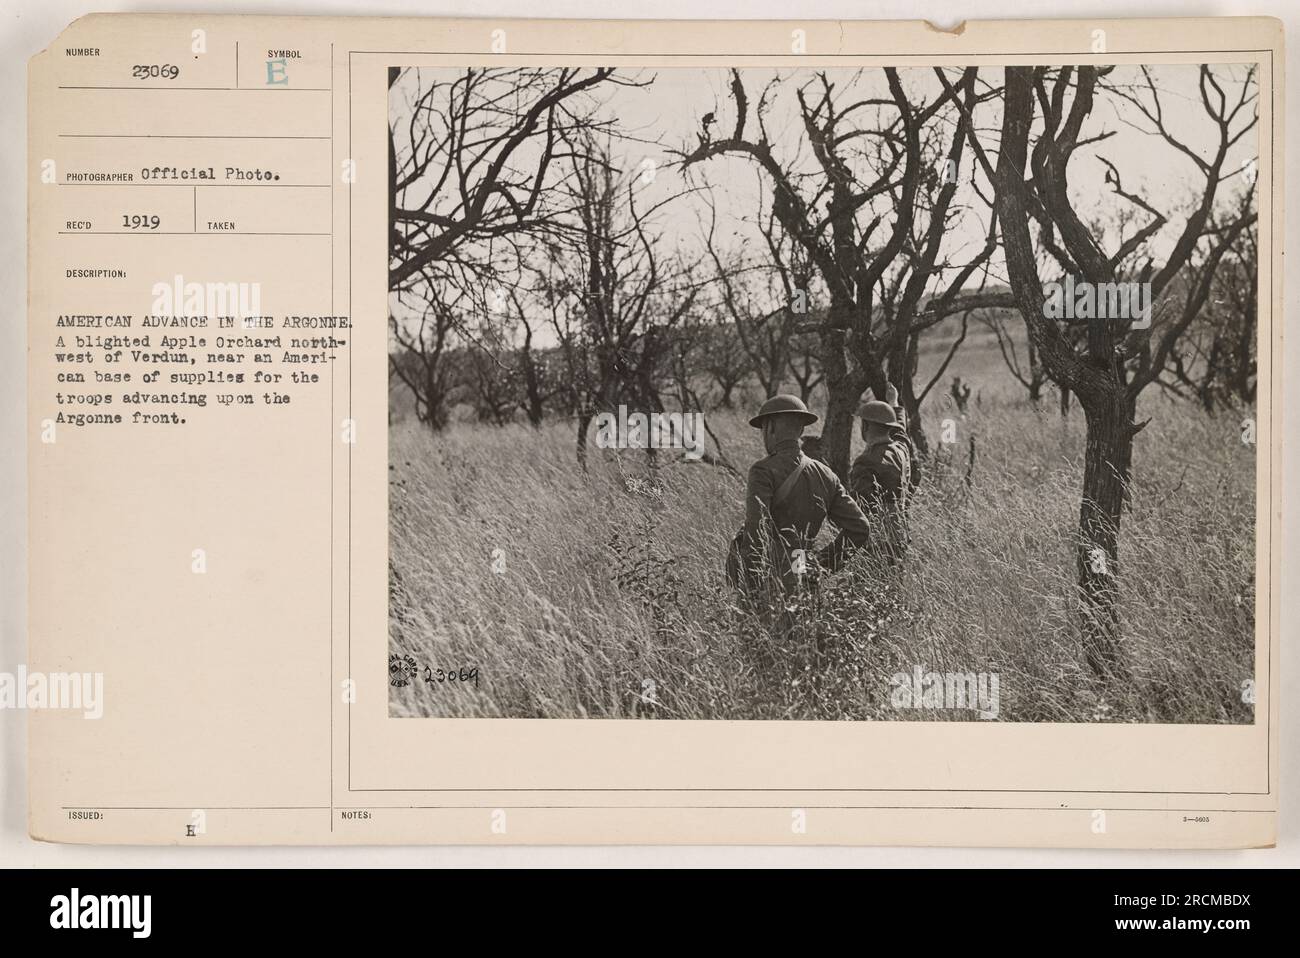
x=788 y=486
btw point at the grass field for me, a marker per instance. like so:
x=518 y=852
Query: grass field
x=573 y=596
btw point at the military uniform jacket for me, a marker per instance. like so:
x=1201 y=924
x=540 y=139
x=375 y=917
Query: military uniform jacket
x=880 y=479
x=817 y=495
x=881 y=475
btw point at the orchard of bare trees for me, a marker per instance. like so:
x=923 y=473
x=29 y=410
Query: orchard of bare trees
x=1076 y=248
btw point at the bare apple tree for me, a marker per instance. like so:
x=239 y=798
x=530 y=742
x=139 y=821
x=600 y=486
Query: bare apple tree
x=855 y=210
x=476 y=163
x=1043 y=125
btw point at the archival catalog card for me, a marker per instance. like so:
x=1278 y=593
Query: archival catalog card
x=723 y=432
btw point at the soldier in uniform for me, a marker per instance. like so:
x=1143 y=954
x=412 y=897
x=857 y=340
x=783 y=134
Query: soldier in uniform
x=787 y=498
x=881 y=476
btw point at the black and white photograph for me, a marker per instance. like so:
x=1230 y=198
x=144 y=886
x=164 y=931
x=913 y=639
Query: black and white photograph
x=894 y=394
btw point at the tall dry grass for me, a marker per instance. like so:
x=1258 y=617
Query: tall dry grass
x=612 y=591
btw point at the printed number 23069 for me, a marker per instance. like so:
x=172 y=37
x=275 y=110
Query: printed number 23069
x=162 y=71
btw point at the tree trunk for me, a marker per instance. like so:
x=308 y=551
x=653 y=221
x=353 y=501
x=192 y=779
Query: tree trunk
x=435 y=413
x=843 y=390
x=584 y=425
x=837 y=430
x=534 y=406
x=1107 y=464
x=912 y=407
x=771 y=382
x=1107 y=407
x=902 y=366
x=536 y=412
